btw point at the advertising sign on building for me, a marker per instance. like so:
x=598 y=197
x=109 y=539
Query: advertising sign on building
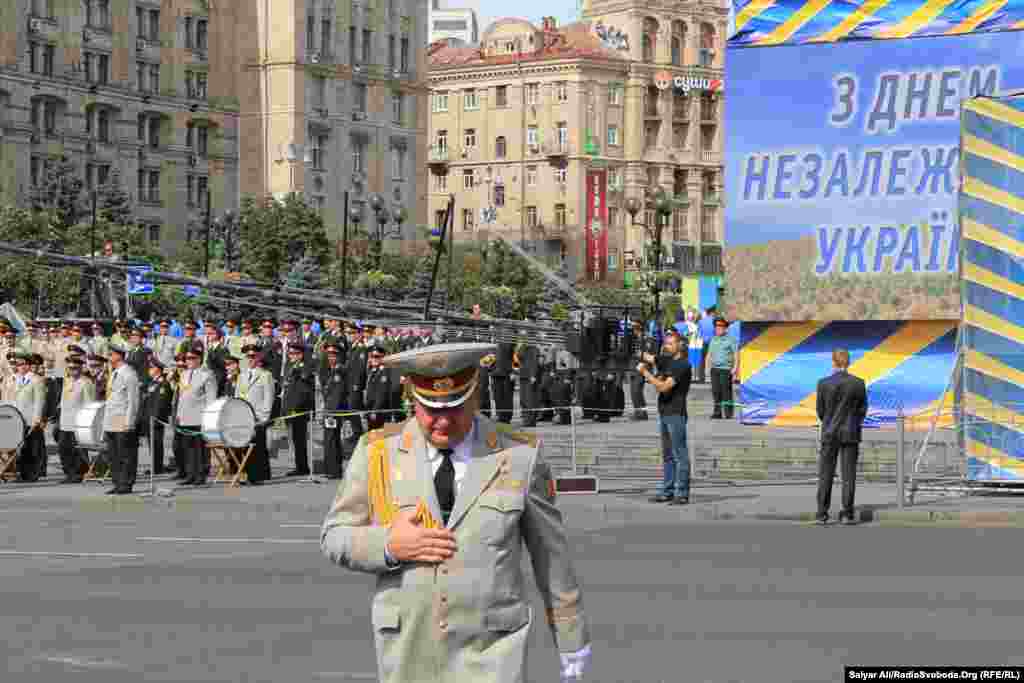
x=842 y=177
x=597 y=228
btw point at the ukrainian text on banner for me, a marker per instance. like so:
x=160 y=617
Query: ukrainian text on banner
x=992 y=217
x=842 y=172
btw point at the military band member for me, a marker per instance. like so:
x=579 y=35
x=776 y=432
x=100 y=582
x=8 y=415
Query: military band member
x=247 y=339
x=177 y=441
x=120 y=336
x=298 y=397
x=232 y=370
x=383 y=390
x=197 y=388
x=28 y=393
x=440 y=508
x=138 y=354
x=98 y=342
x=164 y=344
x=334 y=390
x=256 y=385
x=189 y=340
x=216 y=356
x=155 y=412
x=502 y=384
x=77 y=391
x=120 y=419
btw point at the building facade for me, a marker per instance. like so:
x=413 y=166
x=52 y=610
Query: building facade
x=195 y=103
x=557 y=128
x=453 y=23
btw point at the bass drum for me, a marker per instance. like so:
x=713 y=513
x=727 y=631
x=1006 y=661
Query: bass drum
x=229 y=421
x=89 y=425
x=12 y=427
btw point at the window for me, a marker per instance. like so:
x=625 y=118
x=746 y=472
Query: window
x=195 y=85
x=360 y=103
x=499 y=195
x=391 y=53
x=397 y=163
x=97 y=67
x=352 y=45
x=510 y=46
x=103 y=125
x=467 y=179
x=188 y=32
x=404 y=63
x=36 y=170
x=440 y=216
x=613 y=259
x=499 y=147
x=615 y=94
x=96 y=175
x=561 y=91
x=154 y=132
x=532 y=136
x=532 y=93
x=44 y=116
x=647 y=48
x=679 y=134
x=440 y=101
x=153 y=234
x=679 y=231
x=97 y=14
x=196 y=139
x=140 y=76
x=561 y=174
x=367 y=45
x=501 y=96
x=531 y=176
x=149 y=185
x=531 y=216
x=310 y=33
x=154 y=77
x=469 y=101
x=613 y=216
x=358 y=156
x=326 y=46
x=560 y=215
x=562 y=135
x=440 y=183
x=42 y=8
x=469 y=139
x=40 y=58
x=442 y=140
x=613 y=135
x=201 y=41
x=467 y=219
x=49 y=51
x=396 y=108
x=319 y=91
x=677 y=51
x=154 y=28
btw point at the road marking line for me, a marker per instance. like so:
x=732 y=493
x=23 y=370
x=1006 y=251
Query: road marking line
x=352 y=675
x=300 y=526
x=84 y=663
x=175 y=539
x=43 y=553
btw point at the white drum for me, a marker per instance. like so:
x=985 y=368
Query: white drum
x=89 y=425
x=12 y=427
x=229 y=421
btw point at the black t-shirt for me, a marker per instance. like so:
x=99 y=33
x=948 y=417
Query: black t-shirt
x=674 y=402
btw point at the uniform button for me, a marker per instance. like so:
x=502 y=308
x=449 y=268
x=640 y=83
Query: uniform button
x=444 y=599
x=443 y=625
x=444 y=571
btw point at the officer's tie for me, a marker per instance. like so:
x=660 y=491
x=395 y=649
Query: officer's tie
x=444 y=483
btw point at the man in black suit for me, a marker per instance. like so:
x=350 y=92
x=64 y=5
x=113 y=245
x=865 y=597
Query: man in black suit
x=297 y=401
x=842 y=407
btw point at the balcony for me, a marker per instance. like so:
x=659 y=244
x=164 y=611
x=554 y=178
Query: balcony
x=712 y=198
x=651 y=109
x=708 y=114
x=437 y=159
x=711 y=261
x=709 y=156
x=555 y=150
x=681 y=112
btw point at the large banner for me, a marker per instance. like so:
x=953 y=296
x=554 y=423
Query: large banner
x=597 y=232
x=842 y=174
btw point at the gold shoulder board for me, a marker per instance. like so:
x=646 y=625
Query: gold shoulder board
x=384 y=432
x=521 y=437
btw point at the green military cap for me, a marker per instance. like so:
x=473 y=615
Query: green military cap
x=442 y=375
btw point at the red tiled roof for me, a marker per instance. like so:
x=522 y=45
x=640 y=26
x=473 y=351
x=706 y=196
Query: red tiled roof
x=572 y=41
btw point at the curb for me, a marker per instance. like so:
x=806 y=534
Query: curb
x=967 y=518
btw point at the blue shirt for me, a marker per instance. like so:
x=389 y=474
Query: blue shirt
x=706 y=327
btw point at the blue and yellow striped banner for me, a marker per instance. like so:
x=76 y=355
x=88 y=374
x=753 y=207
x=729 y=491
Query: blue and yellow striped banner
x=760 y=23
x=906 y=365
x=992 y=220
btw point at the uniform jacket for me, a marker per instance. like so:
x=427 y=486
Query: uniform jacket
x=356 y=376
x=30 y=398
x=259 y=392
x=243 y=341
x=298 y=393
x=467 y=619
x=75 y=394
x=214 y=362
x=122 y=411
x=156 y=403
x=383 y=390
x=196 y=390
x=334 y=387
x=842 y=407
x=163 y=347
x=138 y=357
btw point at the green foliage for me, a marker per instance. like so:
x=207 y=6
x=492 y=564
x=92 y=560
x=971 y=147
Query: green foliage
x=276 y=233
x=304 y=274
x=113 y=204
x=60 y=191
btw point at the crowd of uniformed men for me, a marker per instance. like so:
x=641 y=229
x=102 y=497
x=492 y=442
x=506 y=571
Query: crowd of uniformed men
x=152 y=381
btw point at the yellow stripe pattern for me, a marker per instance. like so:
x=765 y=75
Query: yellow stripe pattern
x=991 y=455
x=998 y=283
x=986 y=150
x=987 y=365
x=752 y=10
x=993 y=195
x=975 y=20
x=996 y=110
x=772 y=344
x=990 y=323
x=919 y=18
x=855 y=19
x=795 y=22
x=979 y=232
x=981 y=407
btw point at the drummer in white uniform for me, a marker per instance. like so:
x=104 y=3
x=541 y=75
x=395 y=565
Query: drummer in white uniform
x=28 y=393
x=119 y=422
x=256 y=385
x=77 y=391
x=197 y=388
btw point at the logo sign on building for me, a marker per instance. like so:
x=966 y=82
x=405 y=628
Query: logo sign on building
x=597 y=227
x=684 y=84
x=842 y=180
x=138 y=280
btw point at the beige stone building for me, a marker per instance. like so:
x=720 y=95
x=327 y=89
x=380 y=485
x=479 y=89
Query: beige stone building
x=537 y=120
x=191 y=99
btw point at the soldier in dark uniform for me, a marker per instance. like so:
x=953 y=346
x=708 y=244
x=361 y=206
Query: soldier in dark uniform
x=529 y=383
x=334 y=390
x=231 y=370
x=178 y=441
x=155 y=409
x=560 y=391
x=138 y=355
x=544 y=386
x=648 y=349
x=297 y=401
x=272 y=354
x=216 y=356
x=355 y=371
x=382 y=388
x=502 y=385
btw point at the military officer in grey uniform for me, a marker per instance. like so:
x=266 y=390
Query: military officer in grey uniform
x=28 y=393
x=439 y=508
x=256 y=385
x=119 y=418
x=197 y=387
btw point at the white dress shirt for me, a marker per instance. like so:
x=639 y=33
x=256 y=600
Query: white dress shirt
x=461 y=457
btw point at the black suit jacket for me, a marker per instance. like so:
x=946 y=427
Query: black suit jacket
x=842 y=407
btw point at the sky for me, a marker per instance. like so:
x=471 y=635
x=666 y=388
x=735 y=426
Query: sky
x=489 y=10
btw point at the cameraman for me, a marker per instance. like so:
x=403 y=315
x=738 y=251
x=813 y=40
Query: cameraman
x=672 y=384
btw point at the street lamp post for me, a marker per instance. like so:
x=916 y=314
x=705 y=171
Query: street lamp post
x=662 y=210
x=209 y=226
x=384 y=218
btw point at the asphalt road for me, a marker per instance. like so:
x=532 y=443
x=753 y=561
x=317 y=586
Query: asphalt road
x=220 y=589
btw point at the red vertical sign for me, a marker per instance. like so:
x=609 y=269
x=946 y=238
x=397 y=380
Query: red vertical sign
x=597 y=225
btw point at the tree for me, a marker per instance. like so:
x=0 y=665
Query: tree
x=113 y=204
x=60 y=191
x=277 y=233
x=304 y=274
x=552 y=295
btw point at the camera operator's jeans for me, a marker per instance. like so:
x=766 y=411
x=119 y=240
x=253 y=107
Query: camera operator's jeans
x=675 y=456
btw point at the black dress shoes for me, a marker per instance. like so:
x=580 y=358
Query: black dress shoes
x=661 y=499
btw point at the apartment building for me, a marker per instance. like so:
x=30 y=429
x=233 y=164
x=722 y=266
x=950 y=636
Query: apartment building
x=453 y=23
x=198 y=103
x=550 y=130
